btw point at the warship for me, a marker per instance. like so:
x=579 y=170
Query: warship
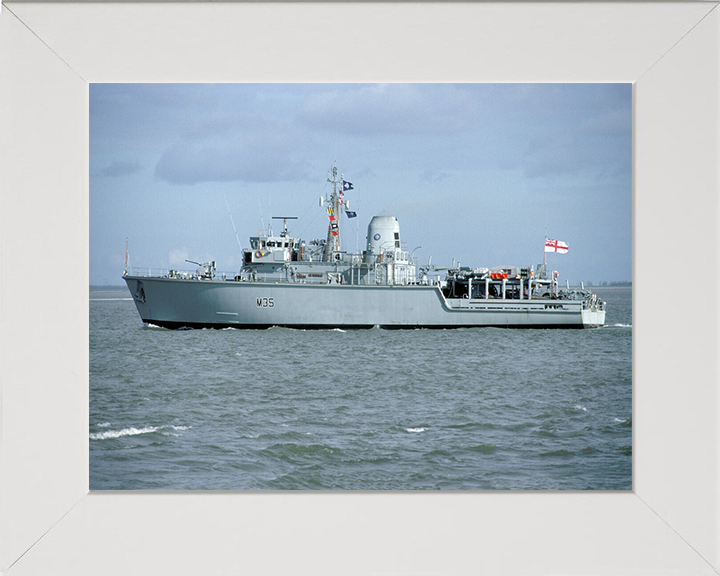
x=287 y=282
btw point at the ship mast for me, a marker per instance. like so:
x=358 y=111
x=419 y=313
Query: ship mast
x=333 y=238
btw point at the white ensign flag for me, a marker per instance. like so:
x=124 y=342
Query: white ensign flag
x=555 y=246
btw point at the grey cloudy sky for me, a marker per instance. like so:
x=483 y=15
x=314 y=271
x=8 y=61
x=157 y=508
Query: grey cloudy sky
x=475 y=172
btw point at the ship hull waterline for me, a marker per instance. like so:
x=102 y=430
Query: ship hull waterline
x=178 y=303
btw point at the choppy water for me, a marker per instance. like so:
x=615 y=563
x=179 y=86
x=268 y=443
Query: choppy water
x=475 y=409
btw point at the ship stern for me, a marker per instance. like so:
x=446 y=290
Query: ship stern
x=593 y=318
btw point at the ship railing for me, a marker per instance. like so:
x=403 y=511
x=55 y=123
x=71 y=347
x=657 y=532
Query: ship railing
x=147 y=272
x=173 y=273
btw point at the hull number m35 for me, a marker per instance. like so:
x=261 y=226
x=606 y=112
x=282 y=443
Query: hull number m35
x=265 y=302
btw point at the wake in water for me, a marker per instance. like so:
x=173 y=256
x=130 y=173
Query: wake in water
x=108 y=434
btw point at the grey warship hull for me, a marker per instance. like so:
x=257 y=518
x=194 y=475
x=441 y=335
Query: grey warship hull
x=193 y=303
x=287 y=282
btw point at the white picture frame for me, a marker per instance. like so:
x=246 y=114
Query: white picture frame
x=50 y=523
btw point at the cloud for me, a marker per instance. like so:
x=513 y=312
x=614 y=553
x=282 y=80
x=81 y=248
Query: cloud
x=230 y=123
x=578 y=153
x=229 y=143
x=562 y=130
x=251 y=160
x=433 y=177
x=117 y=169
x=397 y=109
x=256 y=133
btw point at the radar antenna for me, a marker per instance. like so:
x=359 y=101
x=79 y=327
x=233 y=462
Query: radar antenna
x=284 y=219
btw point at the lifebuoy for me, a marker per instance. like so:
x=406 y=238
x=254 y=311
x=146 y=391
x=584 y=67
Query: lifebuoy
x=258 y=254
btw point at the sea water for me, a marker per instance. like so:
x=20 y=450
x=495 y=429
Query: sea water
x=282 y=409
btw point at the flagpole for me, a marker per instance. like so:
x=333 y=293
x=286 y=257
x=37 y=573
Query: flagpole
x=545 y=244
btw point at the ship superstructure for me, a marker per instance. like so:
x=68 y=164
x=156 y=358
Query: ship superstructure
x=287 y=259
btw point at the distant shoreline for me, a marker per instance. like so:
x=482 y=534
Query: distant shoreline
x=107 y=288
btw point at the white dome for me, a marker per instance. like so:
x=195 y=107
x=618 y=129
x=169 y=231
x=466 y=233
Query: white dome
x=383 y=234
